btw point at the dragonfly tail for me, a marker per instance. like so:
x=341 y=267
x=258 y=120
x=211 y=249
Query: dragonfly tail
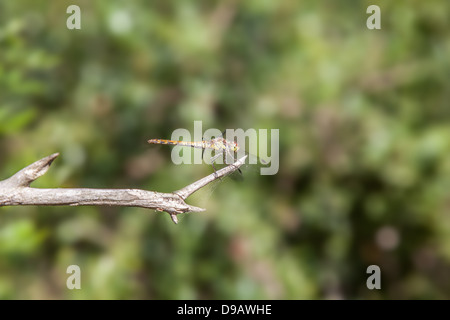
x=178 y=143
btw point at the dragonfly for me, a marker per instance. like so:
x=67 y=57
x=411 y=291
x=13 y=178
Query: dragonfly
x=222 y=146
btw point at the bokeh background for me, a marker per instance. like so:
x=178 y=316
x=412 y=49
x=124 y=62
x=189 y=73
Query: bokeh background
x=364 y=147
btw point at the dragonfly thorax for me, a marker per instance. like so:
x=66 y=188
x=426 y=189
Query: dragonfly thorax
x=224 y=144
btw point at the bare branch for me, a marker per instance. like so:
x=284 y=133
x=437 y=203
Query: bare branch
x=190 y=189
x=26 y=176
x=16 y=191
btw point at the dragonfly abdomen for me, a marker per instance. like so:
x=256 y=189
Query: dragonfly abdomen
x=163 y=141
x=192 y=144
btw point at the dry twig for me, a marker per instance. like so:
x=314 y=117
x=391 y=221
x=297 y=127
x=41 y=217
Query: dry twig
x=16 y=191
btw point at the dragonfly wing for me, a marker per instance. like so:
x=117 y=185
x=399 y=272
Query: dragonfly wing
x=254 y=159
x=215 y=157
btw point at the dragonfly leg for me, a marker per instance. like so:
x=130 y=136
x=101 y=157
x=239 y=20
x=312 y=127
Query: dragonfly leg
x=213 y=159
x=232 y=158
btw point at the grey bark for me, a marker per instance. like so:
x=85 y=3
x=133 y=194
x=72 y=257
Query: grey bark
x=16 y=191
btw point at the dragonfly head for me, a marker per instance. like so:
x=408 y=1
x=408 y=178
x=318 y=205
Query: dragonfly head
x=234 y=146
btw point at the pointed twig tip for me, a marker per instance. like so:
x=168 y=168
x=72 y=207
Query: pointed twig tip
x=174 y=218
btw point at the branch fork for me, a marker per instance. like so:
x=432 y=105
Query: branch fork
x=16 y=191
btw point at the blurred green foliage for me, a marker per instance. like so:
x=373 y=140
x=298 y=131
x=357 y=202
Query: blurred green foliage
x=364 y=144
